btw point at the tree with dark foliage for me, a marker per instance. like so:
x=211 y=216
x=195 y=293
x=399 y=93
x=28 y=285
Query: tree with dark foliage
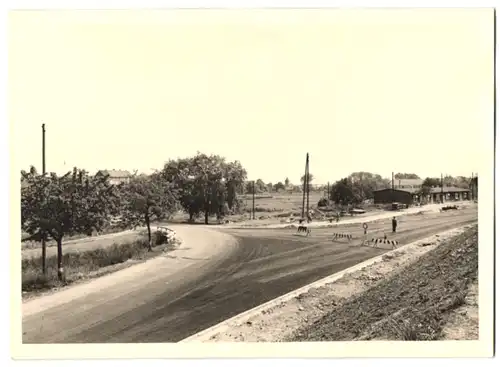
x=59 y=206
x=146 y=199
x=205 y=184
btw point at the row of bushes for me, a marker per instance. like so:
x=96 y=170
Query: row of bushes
x=79 y=264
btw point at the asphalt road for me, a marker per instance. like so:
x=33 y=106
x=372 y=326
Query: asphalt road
x=265 y=263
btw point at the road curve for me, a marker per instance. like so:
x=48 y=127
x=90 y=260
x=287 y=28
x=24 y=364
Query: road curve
x=162 y=305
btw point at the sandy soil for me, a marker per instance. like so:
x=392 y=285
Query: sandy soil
x=196 y=243
x=277 y=321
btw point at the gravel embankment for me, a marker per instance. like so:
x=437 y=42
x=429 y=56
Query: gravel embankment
x=414 y=304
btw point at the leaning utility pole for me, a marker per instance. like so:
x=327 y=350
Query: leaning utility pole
x=42 y=232
x=253 y=199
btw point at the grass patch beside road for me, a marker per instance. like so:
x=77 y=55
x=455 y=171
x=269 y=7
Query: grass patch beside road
x=88 y=264
x=413 y=304
x=52 y=243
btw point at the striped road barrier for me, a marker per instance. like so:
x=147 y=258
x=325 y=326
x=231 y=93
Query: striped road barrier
x=375 y=241
x=337 y=236
x=304 y=229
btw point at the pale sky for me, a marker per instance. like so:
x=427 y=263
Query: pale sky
x=360 y=90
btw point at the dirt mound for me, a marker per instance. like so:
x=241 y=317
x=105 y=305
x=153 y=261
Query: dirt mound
x=412 y=305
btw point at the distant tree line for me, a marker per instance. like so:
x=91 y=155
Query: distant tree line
x=286 y=185
x=360 y=186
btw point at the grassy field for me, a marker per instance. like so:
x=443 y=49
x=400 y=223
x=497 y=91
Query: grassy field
x=266 y=205
x=83 y=244
x=414 y=304
x=281 y=201
x=51 y=242
x=89 y=263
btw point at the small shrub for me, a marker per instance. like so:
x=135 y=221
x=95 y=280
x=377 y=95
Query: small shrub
x=404 y=330
x=323 y=202
x=458 y=299
x=416 y=325
x=34 y=280
x=160 y=238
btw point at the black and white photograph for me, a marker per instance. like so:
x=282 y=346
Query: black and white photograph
x=251 y=176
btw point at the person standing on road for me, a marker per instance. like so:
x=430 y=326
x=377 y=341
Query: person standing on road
x=394 y=224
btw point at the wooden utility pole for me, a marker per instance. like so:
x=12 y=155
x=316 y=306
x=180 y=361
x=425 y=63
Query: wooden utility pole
x=253 y=199
x=44 y=244
x=476 y=185
x=307 y=180
x=304 y=189
x=472 y=186
x=392 y=186
x=442 y=188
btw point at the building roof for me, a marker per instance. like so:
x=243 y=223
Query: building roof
x=114 y=173
x=410 y=190
x=434 y=190
x=408 y=182
x=437 y=190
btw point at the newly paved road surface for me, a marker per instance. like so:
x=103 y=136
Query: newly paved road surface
x=265 y=264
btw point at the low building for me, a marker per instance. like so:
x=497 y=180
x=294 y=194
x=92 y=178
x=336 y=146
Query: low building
x=448 y=194
x=388 y=196
x=411 y=196
x=408 y=183
x=116 y=177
